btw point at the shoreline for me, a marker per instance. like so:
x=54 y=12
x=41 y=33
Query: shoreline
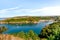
x=25 y=22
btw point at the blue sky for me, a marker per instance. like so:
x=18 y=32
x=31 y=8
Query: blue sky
x=10 y=8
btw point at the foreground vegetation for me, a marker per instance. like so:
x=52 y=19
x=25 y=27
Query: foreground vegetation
x=51 y=32
x=27 y=36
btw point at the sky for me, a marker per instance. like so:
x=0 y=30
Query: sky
x=11 y=8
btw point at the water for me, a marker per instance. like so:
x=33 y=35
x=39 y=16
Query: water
x=26 y=27
x=2 y=18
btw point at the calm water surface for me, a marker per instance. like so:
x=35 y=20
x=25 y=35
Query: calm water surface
x=25 y=27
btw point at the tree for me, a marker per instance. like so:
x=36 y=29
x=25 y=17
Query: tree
x=33 y=35
x=21 y=34
x=2 y=29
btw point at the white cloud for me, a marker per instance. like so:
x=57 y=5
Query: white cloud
x=48 y=10
x=40 y=12
x=4 y=11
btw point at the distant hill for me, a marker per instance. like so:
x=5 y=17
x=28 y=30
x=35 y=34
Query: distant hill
x=27 y=19
x=21 y=19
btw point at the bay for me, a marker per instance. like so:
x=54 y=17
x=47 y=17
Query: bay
x=25 y=27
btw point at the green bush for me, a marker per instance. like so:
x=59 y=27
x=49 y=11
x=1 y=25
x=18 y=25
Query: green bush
x=51 y=31
x=27 y=36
